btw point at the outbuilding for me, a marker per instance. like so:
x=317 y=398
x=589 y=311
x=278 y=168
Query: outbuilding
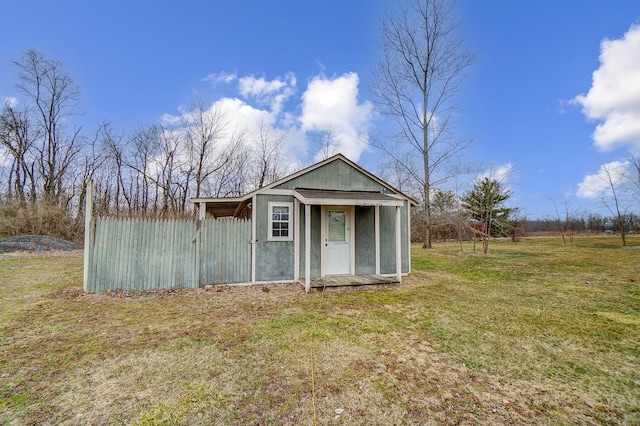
x=332 y=223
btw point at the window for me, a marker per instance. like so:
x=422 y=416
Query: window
x=336 y=226
x=280 y=223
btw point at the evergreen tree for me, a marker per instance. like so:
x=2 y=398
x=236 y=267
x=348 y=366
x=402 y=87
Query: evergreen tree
x=485 y=205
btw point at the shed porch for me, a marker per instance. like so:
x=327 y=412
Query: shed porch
x=350 y=280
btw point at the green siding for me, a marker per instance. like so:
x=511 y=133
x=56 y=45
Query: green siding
x=405 y=238
x=336 y=175
x=274 y=259
x=303 y=239
x=365 y=240
x=388 y=240
x=315 y=241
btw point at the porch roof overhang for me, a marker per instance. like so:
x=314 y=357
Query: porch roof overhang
x=346 y=198
x=223 y=207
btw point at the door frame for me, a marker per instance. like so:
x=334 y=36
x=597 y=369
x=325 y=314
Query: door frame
x=350 y=211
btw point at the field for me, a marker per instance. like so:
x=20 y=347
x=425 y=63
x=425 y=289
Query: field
x=533 y=333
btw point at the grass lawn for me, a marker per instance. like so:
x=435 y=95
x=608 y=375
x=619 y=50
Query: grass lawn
x=533 y=333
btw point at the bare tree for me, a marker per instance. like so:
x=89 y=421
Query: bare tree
x=17 y=137
x=612 y=197
x=324 y=143
x=91 y=158
x=230 y=177
x=145 y=142
x=634 y=177
x=54 y=95
x=560 y=225
x=165 y=167
x=115 y=155
x=420 y=71
x=449 y=218
x=204 y=130
x=395 y=172
x=268 y=155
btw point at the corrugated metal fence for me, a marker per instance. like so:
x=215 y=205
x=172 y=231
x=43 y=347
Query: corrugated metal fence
x=225 y=251
x=140 y=254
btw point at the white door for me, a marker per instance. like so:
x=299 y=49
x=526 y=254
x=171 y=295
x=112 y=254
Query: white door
x=337 y=250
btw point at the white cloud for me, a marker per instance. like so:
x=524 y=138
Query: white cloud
x=333 y=103
x=272 y=92
x=614 y=96
x=244 y=116
x=238 y=115
x=220 y=77
x=596 y=185
x=326 y=101
x=500 y=173
x=10 y=101
x=170 y=120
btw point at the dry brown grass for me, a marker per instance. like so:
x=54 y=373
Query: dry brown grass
x=41 y=218
x=516 y=337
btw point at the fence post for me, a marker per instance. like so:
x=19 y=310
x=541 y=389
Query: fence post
x=197 y=240
x=88 y=213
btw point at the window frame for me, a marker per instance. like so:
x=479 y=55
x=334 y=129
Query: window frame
x=271 y=206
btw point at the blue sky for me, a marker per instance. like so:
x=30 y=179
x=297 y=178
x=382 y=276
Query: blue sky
x=302 y=63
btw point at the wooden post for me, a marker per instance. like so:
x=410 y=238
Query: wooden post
x=254 y=237
x=408 y=233
x=307 y=247
x=296 y=240
x=377 y=236
x=398 y=244
x=88 y=215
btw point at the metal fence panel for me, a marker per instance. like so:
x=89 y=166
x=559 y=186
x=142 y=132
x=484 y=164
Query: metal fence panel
x=144 y=254
x=225 y=251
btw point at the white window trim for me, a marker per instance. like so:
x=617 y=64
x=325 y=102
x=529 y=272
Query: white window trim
x=273 y=204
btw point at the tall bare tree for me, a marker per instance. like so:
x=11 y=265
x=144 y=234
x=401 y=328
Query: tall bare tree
x=115 y=174
x=421 y=69
x=394 y=171
x=267 y=149
x=146 y=143
x=17 y=138
x=204 y=130
x=54 y=97
x=230 y=177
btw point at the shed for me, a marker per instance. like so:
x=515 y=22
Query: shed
x=330 y=222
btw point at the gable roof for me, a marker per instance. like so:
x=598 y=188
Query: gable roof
x=302 y=172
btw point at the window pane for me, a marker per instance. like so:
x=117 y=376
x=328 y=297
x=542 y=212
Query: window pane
x=280 y=220
x=336 y=226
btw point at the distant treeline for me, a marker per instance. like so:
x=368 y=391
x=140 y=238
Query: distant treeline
x=593 y=223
